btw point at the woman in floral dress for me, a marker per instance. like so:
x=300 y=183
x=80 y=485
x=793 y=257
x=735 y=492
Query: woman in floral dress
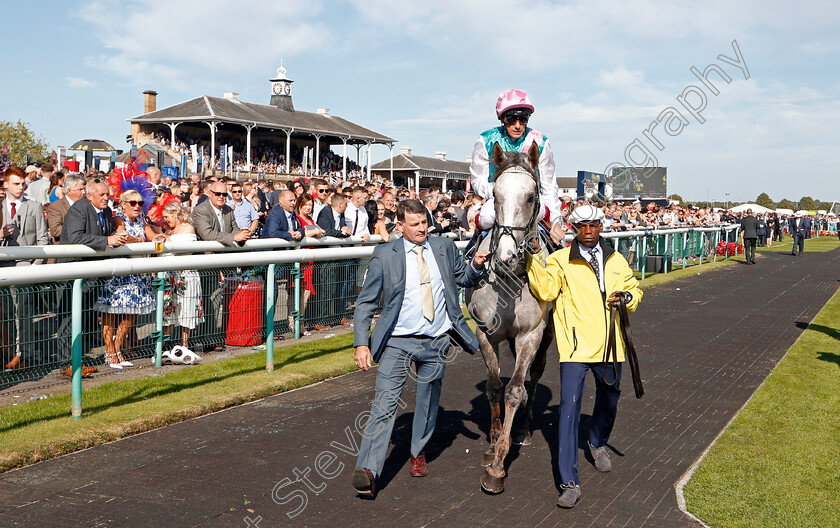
x=125 y=297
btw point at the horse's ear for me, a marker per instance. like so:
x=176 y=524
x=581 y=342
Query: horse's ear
x=498 y=154
x=534 y=155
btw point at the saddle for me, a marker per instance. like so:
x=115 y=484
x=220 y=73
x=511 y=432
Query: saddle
x=629 y=349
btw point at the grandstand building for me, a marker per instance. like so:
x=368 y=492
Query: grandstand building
x=409 y=170
x=254 y=128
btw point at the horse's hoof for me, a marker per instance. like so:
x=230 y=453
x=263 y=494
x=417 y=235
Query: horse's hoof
x=521 y=437
x=492 y=485
x=488 y=458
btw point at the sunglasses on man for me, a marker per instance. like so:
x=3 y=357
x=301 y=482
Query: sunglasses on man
x=511 y=119
x=223 y=193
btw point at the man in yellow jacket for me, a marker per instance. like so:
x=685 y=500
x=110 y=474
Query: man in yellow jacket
x=577 y=279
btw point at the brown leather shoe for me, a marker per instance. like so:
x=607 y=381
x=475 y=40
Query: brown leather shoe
x=418 y=467
x=364 y=482
x=87 y=372
x=15 y=363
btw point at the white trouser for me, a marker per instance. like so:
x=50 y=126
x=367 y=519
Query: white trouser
x=487 y=215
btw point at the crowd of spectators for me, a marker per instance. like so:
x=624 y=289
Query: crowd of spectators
x=75 y=209
x=268 y=157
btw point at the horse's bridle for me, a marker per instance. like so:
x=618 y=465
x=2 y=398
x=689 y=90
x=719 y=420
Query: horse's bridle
x=500 y=230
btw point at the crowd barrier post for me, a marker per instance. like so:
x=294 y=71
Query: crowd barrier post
x=685 y=244
x=702 y=246
x=717 y=243
x=296 y=314
x=76 y=352
x=644 y=254
x=270 y=286
x=157 y=335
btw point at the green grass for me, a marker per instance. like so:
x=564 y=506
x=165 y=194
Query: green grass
x=813 y=245
x=44 y=429
x=778 y=464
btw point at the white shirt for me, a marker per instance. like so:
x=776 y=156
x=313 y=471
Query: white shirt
x=317 y=206
x=350 y=216
x=219 y=216
x=585 y=252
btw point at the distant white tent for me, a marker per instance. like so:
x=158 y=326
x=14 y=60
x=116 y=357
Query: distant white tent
x=755 y=208
x=785 y=211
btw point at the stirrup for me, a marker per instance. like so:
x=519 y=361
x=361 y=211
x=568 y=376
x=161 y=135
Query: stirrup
x=180 y=355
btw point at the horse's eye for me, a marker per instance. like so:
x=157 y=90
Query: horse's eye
x=531 y=198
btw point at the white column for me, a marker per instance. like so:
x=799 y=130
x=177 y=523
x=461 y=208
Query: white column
x=391 y=155
x=317 y=155
x=212 y=126
x=443 y=186
x=368 y=162
x=248 y=147
x=289 y=150
x=344 y=160
x=172 y=130
x=417 y=182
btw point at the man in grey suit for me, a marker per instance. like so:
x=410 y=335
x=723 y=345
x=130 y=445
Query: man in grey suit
x=23 y=225
x=416 y=277
x=749 y=233
x=213 y=220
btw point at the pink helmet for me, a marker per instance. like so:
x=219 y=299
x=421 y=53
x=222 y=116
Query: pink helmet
x=512 y=98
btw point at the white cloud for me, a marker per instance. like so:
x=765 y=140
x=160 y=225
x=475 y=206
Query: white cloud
x=78 y=82
x=193 y=42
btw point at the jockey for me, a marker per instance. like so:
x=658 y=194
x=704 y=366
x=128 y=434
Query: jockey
x=513 y=109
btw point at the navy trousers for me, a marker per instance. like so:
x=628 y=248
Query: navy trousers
x=572 y=385
x=429 y=358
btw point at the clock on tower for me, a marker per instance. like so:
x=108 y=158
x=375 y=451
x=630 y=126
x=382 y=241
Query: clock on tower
x=281 y=90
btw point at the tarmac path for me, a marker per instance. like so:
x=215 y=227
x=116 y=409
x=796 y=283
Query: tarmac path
x=705 y=344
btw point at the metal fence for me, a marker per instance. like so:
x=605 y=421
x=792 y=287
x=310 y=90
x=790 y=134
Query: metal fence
x=50 y=318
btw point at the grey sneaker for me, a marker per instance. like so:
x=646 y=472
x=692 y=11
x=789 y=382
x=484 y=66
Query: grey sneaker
x=601 y=457
x=569 y=497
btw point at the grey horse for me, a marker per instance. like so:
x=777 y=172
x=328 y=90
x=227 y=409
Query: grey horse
x=505 y=310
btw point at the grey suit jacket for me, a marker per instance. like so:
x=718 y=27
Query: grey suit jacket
x=207 y=226
x=386 y=280
x=30 y=227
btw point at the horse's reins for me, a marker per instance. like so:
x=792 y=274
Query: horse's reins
x=629 y=348
x=500 y=230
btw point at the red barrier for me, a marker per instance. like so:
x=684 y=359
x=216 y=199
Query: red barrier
x=244 y=301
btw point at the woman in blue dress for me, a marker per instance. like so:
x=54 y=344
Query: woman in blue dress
x=124 y=298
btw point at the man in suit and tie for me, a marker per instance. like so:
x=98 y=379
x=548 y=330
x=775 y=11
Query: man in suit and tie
x=281 y=221
x=88 y=221
x=749 y=234
x=74 y=190
x=798 y=227
x=213 y=220
x=416 y=278
x=23 y=225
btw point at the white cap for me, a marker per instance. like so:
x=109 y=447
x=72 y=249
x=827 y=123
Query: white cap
x=586 y=213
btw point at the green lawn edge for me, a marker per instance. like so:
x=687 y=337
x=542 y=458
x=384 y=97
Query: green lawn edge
x=777 y=463
x=43 y=429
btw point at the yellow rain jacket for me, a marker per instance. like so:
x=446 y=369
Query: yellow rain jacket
x=581 y=313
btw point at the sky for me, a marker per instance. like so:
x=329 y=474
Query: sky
x=428 y=74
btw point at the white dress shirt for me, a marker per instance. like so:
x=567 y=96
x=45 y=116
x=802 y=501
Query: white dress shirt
x=356 y=220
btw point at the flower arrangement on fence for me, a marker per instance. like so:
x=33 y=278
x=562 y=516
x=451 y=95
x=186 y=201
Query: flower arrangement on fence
x=731 y=249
